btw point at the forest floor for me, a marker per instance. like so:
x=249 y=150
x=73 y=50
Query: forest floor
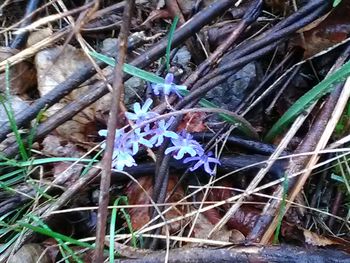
x=174 y=131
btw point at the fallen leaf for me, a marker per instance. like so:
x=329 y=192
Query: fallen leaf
x=193 y=122
x=58 y=147
x=326 y=31
x=140 y=215
x=38 y=35
x=204 y=226
x=22 y=75
x=54 y=65
x=244 y=219
x=293 y=232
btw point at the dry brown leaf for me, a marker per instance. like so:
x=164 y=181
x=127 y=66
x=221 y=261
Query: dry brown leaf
x=243 y=220
x=326 y=31
x=314 y=239
x=38 y=36
x=54 y=145
x=204 y=226
x=54 y=65
x=58 y=147
x=22 y=75
x=136 y=196
x=293 y=232
x=193 y=122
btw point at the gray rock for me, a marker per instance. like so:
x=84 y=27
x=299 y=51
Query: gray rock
x=134 y=90
x=230 y=93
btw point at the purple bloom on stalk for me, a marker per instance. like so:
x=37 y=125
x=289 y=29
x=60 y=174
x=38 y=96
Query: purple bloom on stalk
x=185 y=144
x=162 y=131
x=141 y=113
x=122 y=153
x=205 y=160
x=123 y=159
x=119 y=134
x=167 y=87
x=136 y=138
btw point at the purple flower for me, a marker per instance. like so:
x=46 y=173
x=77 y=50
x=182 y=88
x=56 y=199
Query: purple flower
x=123 y=159
x=167 y=87
x=185 y=144
x=136 y=138
x=119 y=134
x=141 y=114
x=205 y=160
x=162 y=131
x=122 y=153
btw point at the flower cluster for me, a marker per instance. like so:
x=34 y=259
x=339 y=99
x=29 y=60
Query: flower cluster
x=127 y=144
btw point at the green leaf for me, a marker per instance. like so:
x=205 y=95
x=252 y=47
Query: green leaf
x=321 y=89
x=129 y=69
x=112 y=226
x=56 y=235
x=63 y=246
x=336 y=2
x=6 y=103
x=170 y=39
x=337 y=178
x=142 y=74
x=45 y=161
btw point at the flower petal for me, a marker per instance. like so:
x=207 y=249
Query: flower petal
x=147 y=104
x=197 y=165
x=159 y=141
x=170 y=134
x=131 y=116
x=190 y=159
x=167 y=88
x=171 y=149
x=137 y=107
x=169 y=78
x=103 y=133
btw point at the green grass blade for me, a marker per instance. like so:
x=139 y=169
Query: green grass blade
x=6 y=103
x=170 y=39
x=282 y=209
x=336 y=2
x=55 y=235
x=12 y=181
x=112 y=231
x=34 y=128
x=134 y=71
x=41 y=191
x=46 y=161
x=91 y=163
x=322 y=88
x=129 y=69
x=11 y=174
x=128 y=222
x=63 y=246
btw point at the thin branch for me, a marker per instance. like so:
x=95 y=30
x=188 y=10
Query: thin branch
x=118 y=91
